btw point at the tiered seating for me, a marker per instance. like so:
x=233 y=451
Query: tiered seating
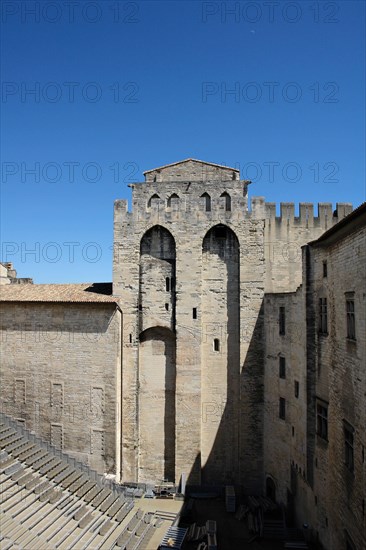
x=50 y=501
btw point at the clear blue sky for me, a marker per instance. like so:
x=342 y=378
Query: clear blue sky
x=122 y=87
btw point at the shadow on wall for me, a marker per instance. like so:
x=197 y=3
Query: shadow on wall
x=231 y=420
x=157 y=404
x=232 y=393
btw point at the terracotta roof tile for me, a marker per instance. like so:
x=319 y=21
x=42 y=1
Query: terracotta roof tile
x=83 y=292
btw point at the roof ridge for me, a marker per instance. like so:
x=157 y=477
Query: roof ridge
x=194 y=160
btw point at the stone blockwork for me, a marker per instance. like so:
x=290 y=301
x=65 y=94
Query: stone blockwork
x=285 y=378
x=221 y=259
x=218 y=369
x=207 y=414
x=315 y=454
x=287 y=233
x=60 y=374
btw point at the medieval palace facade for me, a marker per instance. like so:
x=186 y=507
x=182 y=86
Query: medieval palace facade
x=229 y=349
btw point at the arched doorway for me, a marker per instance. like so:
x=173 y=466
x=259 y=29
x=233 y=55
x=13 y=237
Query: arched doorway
x=270 y=489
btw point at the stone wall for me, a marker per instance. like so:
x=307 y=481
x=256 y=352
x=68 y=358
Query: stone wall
x=217 y=296
x=60 y=375
x=285 y=378
x=287 y=233
x=218 y=392
x=303 y=455
x=192 y=170
x=337 y=364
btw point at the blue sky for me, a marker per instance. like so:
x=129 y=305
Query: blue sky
x=274 y=88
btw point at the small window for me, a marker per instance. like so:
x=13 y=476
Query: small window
x=323 y=316
x=167 y=307
x=325 y=269
x=153 y=200
x=233 y=176
x=194 y=313
x=322 y=420
x=282 y=367
x=282 y=408
x=167 y=284
x=348 y=446
x=293 y=431
x=173 y=200
x=130 y=338
x=207 y=201
x=282 y=321
x=351 y=323
x=216 y=345
x=227 y=201
x=297 y=388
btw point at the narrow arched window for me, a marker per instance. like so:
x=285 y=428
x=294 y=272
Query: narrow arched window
x=153 y=200
x=173 y=200
x=227 y=200
x=216 y=344
x=207 y=201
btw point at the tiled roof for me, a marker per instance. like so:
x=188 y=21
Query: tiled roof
x=83 y=292
x=193 y=160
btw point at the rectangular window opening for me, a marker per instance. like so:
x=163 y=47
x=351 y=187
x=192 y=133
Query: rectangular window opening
x=282 y=367
x=323 y=316
x=322 y=420
x=194 y=313
x=282 y=408
x=349 y=446
x=167 y=284
x=167 y=307
x=282 y=321
x=297 y=388
x=216 y=344
x=351 y=323
x=325 y=269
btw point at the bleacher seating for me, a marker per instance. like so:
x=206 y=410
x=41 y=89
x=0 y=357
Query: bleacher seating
x=49 y=500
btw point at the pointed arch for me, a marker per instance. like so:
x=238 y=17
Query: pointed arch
x=153 y=200
x=159 y=243
x=207 y=201
x=173 y=200
x=227 y=201
x=220 y=359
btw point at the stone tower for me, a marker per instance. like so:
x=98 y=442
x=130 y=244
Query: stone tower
x=191 y=266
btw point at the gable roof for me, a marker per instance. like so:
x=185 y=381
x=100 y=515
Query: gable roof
x=192 y=160
x=83 y=292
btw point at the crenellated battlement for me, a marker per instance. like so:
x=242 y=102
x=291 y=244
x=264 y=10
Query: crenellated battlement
x=326 y=216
